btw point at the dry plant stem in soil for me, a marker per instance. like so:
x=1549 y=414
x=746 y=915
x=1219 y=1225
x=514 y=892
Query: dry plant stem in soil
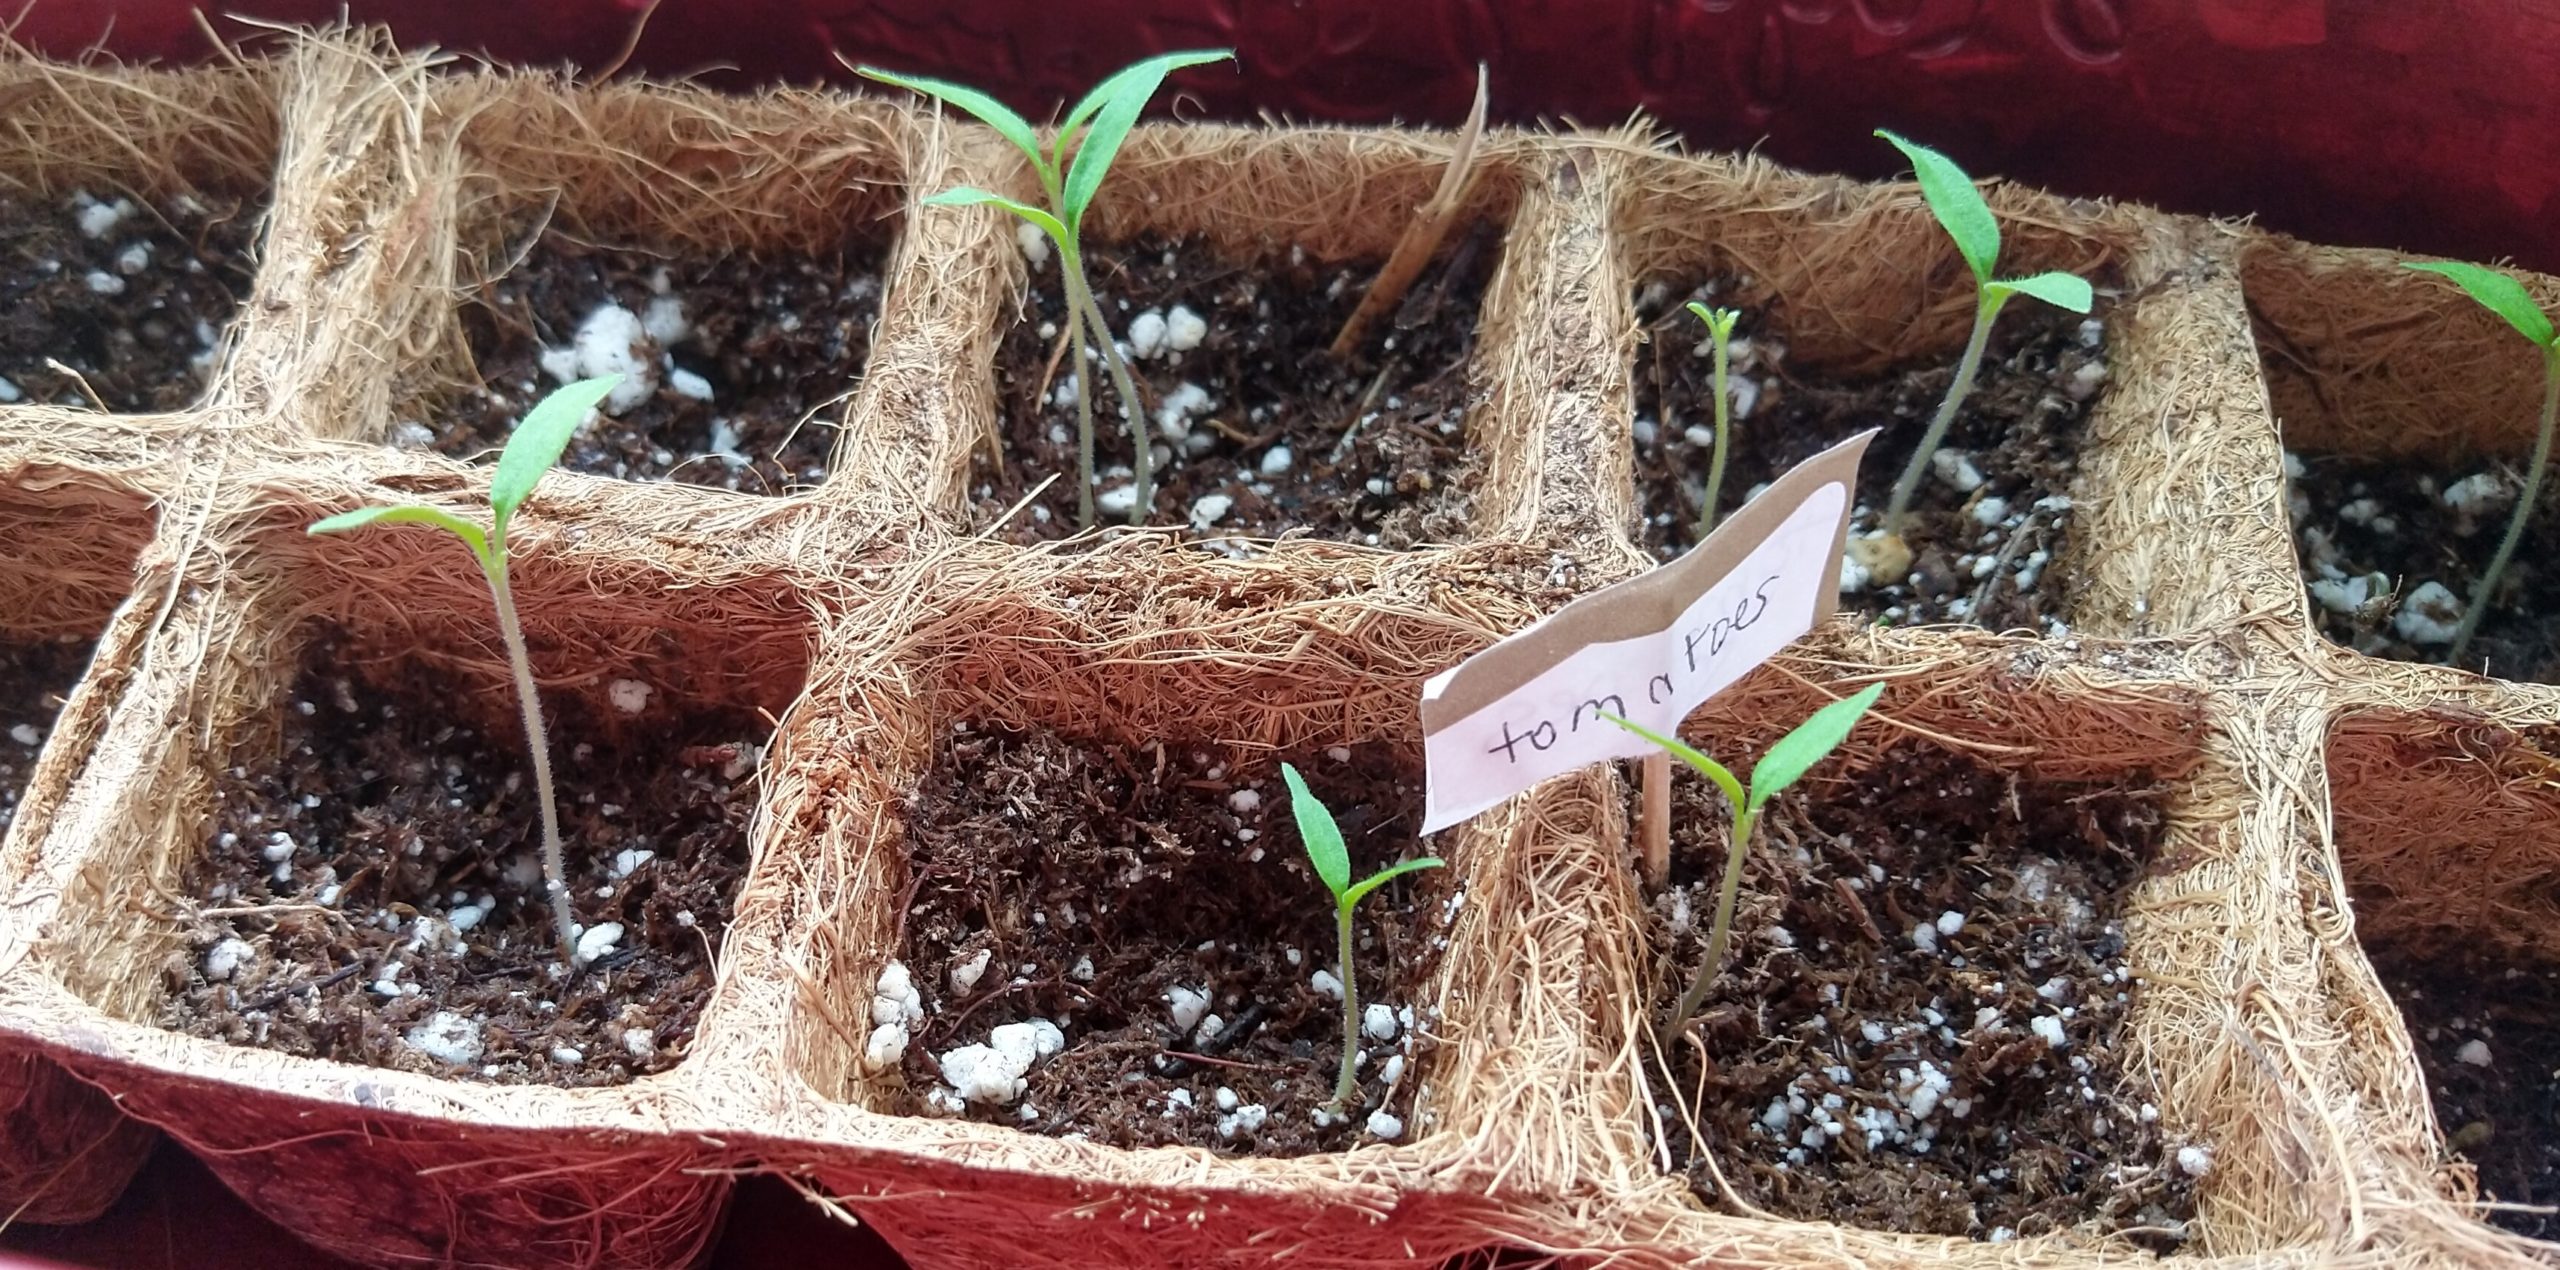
x=35 y=678
x=368 y=891
x=1985 y=527
x=1260 y=429
x=1918 y=1026
x=2487 y=1035
x=1143 y=925
x=117 y=305
x=740 y=357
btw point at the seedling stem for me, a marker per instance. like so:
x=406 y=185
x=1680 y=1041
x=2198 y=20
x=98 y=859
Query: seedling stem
x=2507 y=298
x=1784 y=764
x=1332 y=861
x=532 y=449
x=1094 y=130
x=1968 y=220
x=2541 y=462
x=1720 y=324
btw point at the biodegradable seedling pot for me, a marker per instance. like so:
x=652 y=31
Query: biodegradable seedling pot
x=864 y=615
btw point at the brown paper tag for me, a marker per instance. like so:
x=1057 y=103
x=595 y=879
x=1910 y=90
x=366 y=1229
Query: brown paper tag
x=1647 y=650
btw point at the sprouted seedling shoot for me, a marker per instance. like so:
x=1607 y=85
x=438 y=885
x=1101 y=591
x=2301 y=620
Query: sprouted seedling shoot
x=530 y=452
x=1720 y=324
x=1967 y=219
x=1069 y=185
x=1784 y=764
x=2505 y=297
x=1333 y=867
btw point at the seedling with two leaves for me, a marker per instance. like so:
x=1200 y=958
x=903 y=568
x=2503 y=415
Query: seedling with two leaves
x=1959 y=208
x=1784 y=765
x=2505 y=297
x=530 y=452
x=1070 y=169
x=1332 y=862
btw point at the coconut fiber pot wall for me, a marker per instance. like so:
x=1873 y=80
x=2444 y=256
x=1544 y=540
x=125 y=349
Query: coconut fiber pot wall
x=871 y=765
x=2427 y=137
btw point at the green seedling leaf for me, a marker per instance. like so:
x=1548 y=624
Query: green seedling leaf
x=1956 y=203
x=2061 y=290
x=1322 y=836
x=406 y=514
x=537 y=442
x=1114 y=106
x=1361 y=889
x=989 y=111
x=2497 y=293
x=972 y=196
x=1723 y=776
x=1797 y=752
x=1720 y=322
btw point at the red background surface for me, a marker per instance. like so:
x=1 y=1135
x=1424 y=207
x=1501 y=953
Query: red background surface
x=177 y=1217
x=2419 y=124
x=2414 y=124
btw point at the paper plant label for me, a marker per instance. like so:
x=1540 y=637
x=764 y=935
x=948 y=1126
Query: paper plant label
x=1647 y=650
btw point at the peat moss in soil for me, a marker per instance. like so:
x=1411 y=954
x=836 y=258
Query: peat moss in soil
x=1248 y=423
x=2413 y=525
x=2497 y=1113
x=1982 y=555
x=136 y=309
x=35 y=678
x=775 y=338
x=384 y=868
x=1099 y=882
x=1902 y=932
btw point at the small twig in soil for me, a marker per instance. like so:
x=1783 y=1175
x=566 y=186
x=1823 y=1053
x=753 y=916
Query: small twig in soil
x=1430 y=225
x=1016 y=509
x=2000 y=564
x=1360 y=413
x=273 y=1000
x=95 y=401
x=1866 y=921
x=270 y=910
x=1185 y=1056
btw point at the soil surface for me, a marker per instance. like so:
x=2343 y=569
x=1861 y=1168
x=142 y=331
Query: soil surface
x=35 y=678
x=374 y=895
x=2488 y=1037
x=131 y=297
x=2391 y=553
x=1983 y=529
x=746 y=359
x=1249 y=423
x=1883 y=1030
x=1157 y=908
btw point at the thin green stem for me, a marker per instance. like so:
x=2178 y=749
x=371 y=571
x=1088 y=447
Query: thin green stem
x=1724 y=443
x=2488 y=584
x=1743 y=825
x=1071 y=268
x=554 y=870
x=1987 y=309
x=1144 y=462
x=1346 y=1087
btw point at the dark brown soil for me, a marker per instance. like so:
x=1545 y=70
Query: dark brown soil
x=395 y=819
x=35 y=678
x=2500 y=1116
x=136 y=312
x=779 y=339
x=2020 y=427
x=1271 y=384
x=2352 y=519
x=1102 y=879
x=1833 y=1007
